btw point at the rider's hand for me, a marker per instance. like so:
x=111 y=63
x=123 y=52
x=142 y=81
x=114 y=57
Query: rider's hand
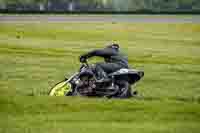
x=83 y=59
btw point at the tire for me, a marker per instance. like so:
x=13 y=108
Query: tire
x=129 y=92
x=126 y=91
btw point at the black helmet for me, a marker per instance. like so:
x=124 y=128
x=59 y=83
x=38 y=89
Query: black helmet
x=113 y=46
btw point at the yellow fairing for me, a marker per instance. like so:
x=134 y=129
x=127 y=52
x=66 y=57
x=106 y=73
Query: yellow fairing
x=61 y=89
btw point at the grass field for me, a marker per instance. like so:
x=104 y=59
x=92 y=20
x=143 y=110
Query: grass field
x=35 y=56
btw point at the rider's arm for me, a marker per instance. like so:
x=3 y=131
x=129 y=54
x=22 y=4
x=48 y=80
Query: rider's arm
x=101 y=53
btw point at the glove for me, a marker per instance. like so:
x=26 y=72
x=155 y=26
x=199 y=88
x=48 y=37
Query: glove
x=83 y=59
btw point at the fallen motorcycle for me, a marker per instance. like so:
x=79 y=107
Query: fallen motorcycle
x=85 y=83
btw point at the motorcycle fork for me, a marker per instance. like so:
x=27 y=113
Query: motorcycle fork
x=112 y=81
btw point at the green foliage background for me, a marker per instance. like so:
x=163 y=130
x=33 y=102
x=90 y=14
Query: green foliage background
x=104 y=5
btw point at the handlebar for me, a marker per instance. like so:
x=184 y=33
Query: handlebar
x=85 y=63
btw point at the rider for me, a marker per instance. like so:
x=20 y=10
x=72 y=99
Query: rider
x=114 y=60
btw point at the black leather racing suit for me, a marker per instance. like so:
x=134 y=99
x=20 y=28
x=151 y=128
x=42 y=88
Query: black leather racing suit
x=114 y=61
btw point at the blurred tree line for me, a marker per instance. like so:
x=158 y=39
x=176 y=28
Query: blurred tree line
x=101 y=5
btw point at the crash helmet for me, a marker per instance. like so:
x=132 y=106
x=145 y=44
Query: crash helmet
x=113 y=46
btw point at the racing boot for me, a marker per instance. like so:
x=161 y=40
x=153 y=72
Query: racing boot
x=102 y=77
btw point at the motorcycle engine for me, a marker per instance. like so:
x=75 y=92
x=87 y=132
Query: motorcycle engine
x=86 y=86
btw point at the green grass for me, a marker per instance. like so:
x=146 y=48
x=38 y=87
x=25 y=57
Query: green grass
x=35 y=56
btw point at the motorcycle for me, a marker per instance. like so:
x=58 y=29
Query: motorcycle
x=85 y=83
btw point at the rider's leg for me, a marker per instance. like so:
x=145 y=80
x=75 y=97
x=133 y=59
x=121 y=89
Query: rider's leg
x=110 y=67
x=102 y=69
x=100 y=73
